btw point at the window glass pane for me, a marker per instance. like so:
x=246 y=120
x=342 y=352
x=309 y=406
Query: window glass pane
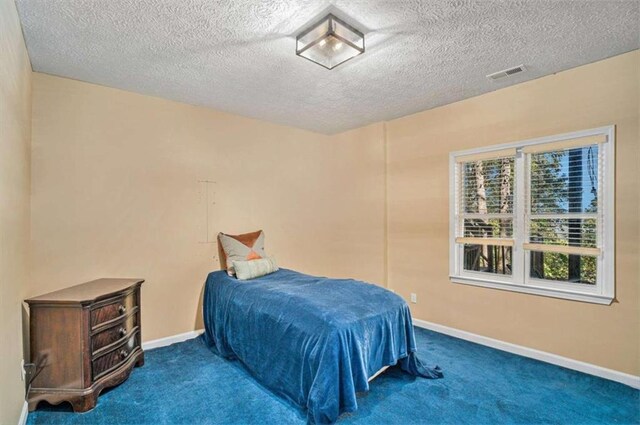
x=572 y=232
x=563 y=267
x=488 y=228
x=488 y=258
x=488 y=186
x=565 y=181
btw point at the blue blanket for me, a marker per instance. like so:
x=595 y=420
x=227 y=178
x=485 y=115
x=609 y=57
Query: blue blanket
x=312 y=340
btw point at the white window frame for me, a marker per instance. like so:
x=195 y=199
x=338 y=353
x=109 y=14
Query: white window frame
x=603 y=292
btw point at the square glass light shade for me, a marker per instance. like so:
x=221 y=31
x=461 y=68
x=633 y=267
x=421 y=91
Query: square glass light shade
x=330 y=42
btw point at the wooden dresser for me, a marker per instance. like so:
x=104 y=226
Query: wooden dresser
x=84 y=339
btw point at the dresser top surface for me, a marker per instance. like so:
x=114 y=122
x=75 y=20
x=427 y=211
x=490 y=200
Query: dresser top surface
x=86 y=292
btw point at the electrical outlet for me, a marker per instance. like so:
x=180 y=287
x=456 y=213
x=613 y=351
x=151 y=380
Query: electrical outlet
x=414 y=298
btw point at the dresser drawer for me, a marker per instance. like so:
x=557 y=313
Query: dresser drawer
x=113 y=309
x=116 y=333
x=114 y=358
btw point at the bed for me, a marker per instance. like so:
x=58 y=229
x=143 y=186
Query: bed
x=312 y=340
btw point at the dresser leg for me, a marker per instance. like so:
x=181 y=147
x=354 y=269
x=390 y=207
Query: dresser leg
x=140 y=361
x=84 y=404
x=32 y=405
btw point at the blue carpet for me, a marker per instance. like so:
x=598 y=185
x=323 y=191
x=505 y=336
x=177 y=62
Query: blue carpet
x=187 y=384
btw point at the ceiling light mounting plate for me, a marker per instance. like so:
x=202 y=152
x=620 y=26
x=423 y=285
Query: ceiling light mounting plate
x=330 y=42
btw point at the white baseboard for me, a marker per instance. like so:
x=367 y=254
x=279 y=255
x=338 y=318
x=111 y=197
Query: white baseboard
x=163 y=342
x=591 y=369
x=24 y=414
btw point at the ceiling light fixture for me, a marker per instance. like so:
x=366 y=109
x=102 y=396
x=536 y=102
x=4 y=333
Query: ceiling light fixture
x=330 y=42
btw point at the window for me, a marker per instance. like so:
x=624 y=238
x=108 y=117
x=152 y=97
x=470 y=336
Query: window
x=536 y=216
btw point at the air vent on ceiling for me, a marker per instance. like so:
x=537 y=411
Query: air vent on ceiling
x=506 y=73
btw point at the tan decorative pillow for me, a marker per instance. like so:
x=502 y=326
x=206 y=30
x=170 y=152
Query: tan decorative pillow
x=248 y=246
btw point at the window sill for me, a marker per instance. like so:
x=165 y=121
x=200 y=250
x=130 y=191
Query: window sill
x=535 y=290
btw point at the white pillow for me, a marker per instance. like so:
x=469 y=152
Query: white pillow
x=251 y=269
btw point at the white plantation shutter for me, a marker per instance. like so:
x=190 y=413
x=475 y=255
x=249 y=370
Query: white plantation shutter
x=563 y=212
x=566 y=144
x=537 y=216
x=485 y=192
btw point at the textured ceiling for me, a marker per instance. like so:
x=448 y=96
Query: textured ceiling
x=239 y=55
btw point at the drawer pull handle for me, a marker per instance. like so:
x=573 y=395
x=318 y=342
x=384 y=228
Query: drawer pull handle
x=123 y=354
x=122 y=331
x=122 y=309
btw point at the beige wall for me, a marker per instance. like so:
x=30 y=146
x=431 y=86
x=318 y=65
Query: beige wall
x=418 y=146
x=115 y=193
x=15 y=134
